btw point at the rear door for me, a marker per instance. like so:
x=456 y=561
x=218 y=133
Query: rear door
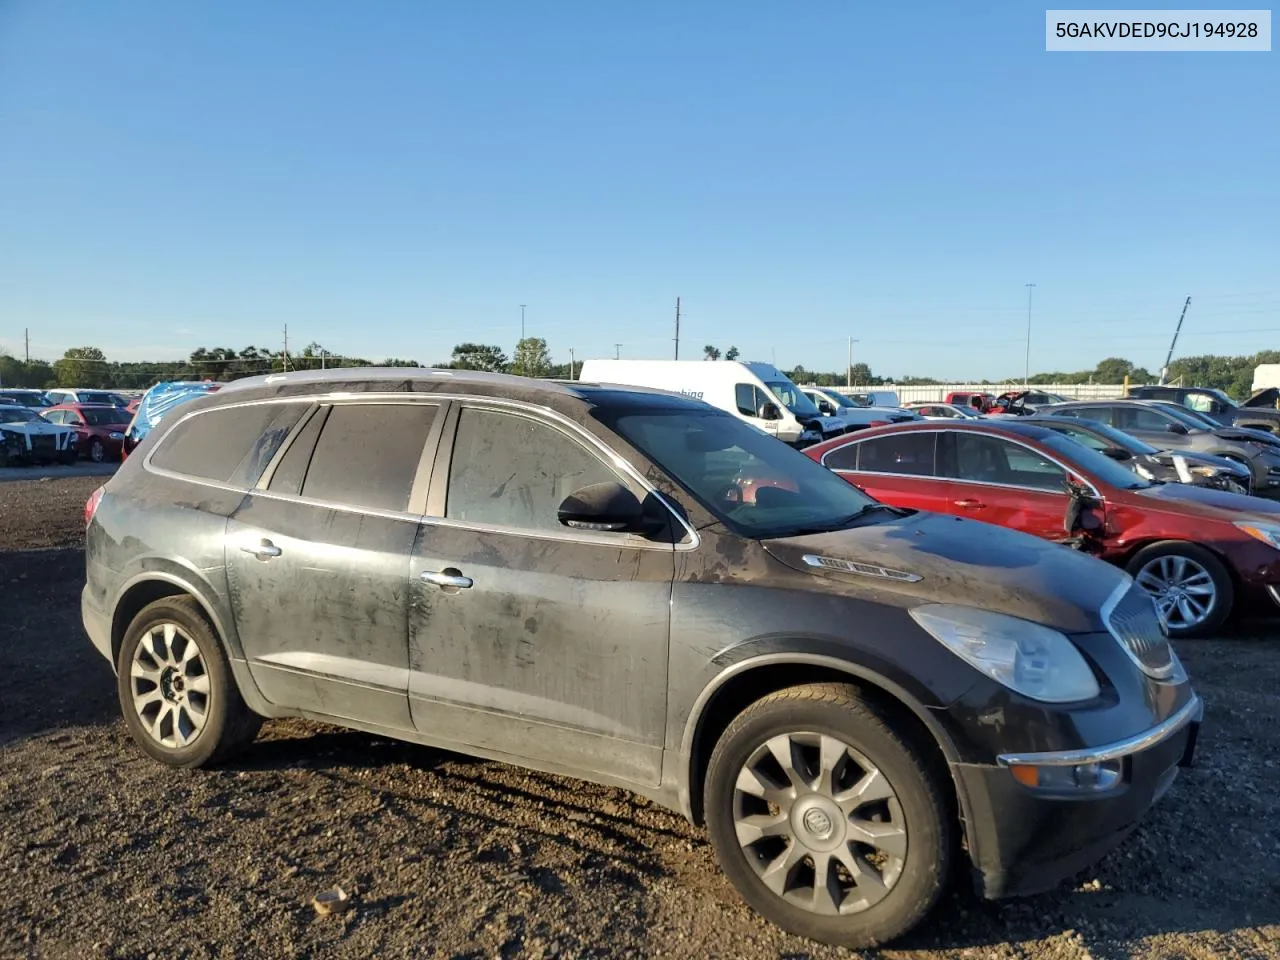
x=899 y=469
x=551 y=643
x=1152 y=425
x=1004 y=482
x=318 y=560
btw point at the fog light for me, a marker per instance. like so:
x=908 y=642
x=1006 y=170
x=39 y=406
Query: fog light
x=1080 y=778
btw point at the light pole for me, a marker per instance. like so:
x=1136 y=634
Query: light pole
x=522 y=321
x=1026 y=370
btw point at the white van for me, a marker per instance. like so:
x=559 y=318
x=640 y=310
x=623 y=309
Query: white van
x=758 y=393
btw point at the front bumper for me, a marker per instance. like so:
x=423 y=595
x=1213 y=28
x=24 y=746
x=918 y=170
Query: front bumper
x=1023 y=842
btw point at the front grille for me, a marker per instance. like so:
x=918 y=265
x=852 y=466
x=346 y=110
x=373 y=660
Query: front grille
x=1136 y=624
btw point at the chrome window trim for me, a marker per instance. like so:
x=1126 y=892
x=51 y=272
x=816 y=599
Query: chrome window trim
x=1191 y=711
x=535 y=411
x=979 y=483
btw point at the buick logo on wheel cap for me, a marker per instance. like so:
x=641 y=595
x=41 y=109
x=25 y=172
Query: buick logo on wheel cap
x=818 y=823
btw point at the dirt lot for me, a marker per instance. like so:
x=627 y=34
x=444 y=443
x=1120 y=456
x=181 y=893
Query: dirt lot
x=105 y=853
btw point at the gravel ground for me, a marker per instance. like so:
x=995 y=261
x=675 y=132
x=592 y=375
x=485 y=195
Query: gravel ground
x=107 y=854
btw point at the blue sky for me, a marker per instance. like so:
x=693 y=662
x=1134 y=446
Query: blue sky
x=393 y=178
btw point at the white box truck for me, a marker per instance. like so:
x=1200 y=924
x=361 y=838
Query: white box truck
x=758 y=393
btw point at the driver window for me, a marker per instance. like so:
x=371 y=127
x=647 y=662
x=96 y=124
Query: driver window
x=513 y=471
x=748 y=400
x=983 y=459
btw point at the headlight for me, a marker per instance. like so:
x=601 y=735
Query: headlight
x=115 y=435
x=1026 y=657
x=1268 y=533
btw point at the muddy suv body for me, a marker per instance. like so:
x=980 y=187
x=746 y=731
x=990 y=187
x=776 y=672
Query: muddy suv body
x=567 y=577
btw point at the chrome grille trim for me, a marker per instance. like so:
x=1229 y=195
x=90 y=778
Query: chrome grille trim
x=1131 y=617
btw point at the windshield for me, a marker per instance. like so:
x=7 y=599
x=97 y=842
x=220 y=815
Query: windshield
x=791 y=397
x=111 y=399
x=839 y=399
x=1188 y=418
x=10 y=414
x=103 y=417
x=757 y=486
x=28 y=398
x=1099 y=436
x=1095 y=464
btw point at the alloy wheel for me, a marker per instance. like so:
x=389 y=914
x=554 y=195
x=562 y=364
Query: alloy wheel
x=97 y=452
x=1183 y=590
x=821 y=826
x=170 y=686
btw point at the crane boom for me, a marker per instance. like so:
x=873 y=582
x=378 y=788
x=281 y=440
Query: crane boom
x=1164 y=371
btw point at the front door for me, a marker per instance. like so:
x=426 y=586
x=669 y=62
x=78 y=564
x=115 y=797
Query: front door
x=318 y=563
x=1005 y=483
x=527 y=638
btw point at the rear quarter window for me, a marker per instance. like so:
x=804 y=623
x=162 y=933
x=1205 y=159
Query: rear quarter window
x=229 y=445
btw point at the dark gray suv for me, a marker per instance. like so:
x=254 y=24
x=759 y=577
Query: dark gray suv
x=635 y=588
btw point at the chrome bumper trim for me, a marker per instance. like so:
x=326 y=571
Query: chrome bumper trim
x=1192 y=711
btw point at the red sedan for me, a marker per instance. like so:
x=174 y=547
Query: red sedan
x=1201 y=553
x=101 y=427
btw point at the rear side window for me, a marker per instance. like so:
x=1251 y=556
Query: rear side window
x=515 y=472
x=227 y=444
x=845 y=458
x=903 y=453
x=368 y=454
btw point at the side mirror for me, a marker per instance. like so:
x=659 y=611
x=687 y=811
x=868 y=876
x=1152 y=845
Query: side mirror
x=1117 y=453
x=1175 y=428
x=826 y=409
x=602 y=506
x=769 y=411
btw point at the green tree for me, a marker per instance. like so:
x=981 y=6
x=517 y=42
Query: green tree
x=398 y=362
x=710 y=353
x=82 y=367
x=476 y=356
x=732 y=353
x=532 y=358
x=861 y=375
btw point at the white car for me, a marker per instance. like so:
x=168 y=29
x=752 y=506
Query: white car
x=943 y=411
x=833 y=403
x=26 y=437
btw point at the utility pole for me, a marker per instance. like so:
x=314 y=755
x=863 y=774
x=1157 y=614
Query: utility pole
x=26 y=342
x=322 y=353
x=286 y=348
x=1164 y=371
x=1026 y=371
x=522 y=321
x=677 y=328
x=571 y=376
x=617 y=351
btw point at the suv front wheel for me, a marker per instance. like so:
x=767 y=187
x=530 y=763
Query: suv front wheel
x=827 y=820
x=179 y=699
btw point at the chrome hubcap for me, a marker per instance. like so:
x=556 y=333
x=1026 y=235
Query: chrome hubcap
x=1183 y=590
x=820 y=825
x=170 y=686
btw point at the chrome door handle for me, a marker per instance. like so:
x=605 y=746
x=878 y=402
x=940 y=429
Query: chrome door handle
x=263 y=550
x=454 y=580
x=970 y=504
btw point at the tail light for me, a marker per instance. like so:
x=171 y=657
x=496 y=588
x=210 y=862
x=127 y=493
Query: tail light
x=91 y=505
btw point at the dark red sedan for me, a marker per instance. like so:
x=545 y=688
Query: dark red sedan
x=1201 y=553
x=101 y=427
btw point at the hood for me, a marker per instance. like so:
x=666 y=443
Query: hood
x=1264 y=398
x=1221 y=464
x=1247 y=434
x=965 y=562
x=34 y=428
x=1205 y=502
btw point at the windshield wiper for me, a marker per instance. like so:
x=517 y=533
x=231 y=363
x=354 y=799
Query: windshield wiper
x=843 y=522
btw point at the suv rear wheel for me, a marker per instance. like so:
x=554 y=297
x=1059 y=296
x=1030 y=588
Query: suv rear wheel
x=176 y=690
x=828 y=821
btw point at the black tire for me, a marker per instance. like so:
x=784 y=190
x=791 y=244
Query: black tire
x=836 y=710
x=228 y=724
x=1224 y=598
x=97 y=451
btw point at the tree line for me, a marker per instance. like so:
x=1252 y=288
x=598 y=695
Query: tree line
x=89 y=367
